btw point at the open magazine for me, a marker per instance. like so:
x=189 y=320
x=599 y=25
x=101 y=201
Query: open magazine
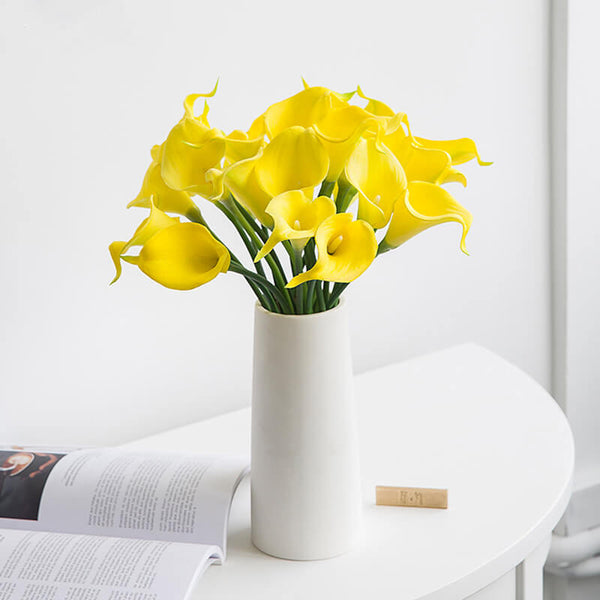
x=111 y=523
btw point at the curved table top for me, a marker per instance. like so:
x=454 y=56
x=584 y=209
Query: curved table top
x=462 y=419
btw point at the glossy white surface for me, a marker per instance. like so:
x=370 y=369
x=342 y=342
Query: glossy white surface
x=462 y=419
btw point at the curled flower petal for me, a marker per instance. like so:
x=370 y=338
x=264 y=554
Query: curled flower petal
x=156 y=221
x=425 y=205
x=183 y=256
x=302 y=109
x=116 y=249
x=375 y=107
x=165 y=198
x=339 y=131
x=452 y=175
x=190 y=100
x=346 y=249
x=419 y=163
x=238 y=146
x=240 y=179
x=294 y=160
x=295 y=217
x=461 y=150
x=379 y=178
x=191 y=149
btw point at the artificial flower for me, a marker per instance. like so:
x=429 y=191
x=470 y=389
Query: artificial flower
x=419 y=163
x=375 y=107
x=156 y=220
x=165 y=198
x=295 y=159
x=339 y=131
x=303 y=109
x=379 y=178
x=190 y=150
x=461 y=151
x=295 y=218
x=182 y=257
x=424 y=206
x=346 y=249
x=240 y=179
x=239 y=146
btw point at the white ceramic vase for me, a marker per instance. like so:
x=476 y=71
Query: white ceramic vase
x=306 y=498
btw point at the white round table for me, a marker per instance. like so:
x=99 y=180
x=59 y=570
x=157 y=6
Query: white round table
x=461 y=419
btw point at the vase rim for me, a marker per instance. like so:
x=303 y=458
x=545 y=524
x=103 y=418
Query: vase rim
x=341 y=304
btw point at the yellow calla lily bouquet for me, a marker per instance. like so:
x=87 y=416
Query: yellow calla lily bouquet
x=330 y=183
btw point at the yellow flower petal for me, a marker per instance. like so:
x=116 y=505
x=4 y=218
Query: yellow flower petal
x=378 y=176
x=461 y=150
x=116 y=249
x=165 y=198
x=295 y=217
x=190 y=150
x=303 y=109
x=156 y=221
x=190 y=100
x=240 y=179
x=419 y=163
x=183 y=257
x=346 y=249
x=339 y=131
x=375 y=107
x=238 y=146
x=425 y=205
x=294 y=160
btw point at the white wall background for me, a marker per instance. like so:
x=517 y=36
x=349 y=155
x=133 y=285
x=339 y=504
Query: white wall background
x=87 y=89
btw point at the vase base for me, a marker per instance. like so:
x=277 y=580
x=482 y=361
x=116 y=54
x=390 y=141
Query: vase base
x=306 y=554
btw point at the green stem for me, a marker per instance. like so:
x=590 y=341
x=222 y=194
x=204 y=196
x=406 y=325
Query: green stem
x=383 y=247
x=320 y=298
x=238 y=220
x=310 y=295
x=264 y=235
x=252 y=250
x=259 y=280
x=327 y=188
x=338 y=288
x=264 y=297
x=297 y=268
x=345 y=195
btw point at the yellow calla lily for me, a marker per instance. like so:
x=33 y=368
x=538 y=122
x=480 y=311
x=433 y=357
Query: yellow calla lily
x=238 y=146
x=424 y=206
x=182 y=257
x=295 y=218
x=295 y=159
x=375 y=107
x=339 y=131
x=379 y=178
x=419 y=163
x=240 y=179
x=346 y=249
x=190 y=150
x=165 y=198
x=155 y=222
x=302 y=109
x=461 y=151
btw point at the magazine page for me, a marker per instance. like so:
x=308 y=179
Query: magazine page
x=118 y=492
x=57 y=566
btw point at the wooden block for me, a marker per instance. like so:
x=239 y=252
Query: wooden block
x=407 y=496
